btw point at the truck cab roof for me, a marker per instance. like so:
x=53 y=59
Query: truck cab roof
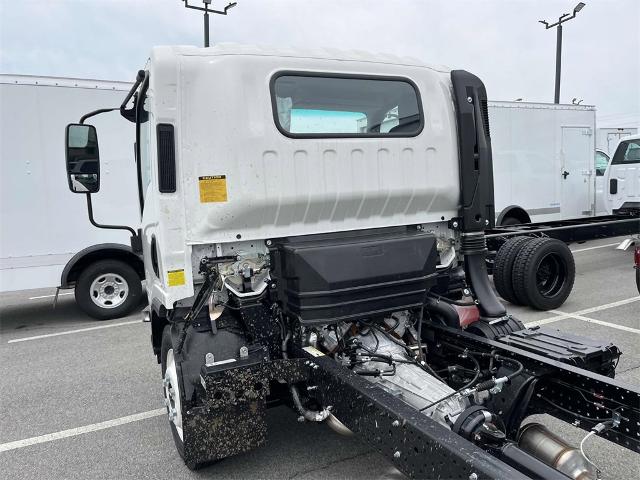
x=223 y=49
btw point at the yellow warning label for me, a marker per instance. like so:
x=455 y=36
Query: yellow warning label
x=213 y=188
x=175 y=278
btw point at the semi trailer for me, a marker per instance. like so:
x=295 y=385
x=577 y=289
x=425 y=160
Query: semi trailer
x=294 y=256
x=65 y=250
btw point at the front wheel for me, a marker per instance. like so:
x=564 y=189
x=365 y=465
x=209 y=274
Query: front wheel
x=173 y=398
x=108 y=289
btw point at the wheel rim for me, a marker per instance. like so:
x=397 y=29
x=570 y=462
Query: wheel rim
x=172 y=393
x=551 y=275
x=109 y=290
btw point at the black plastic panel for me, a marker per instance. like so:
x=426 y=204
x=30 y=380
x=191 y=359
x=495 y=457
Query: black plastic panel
x=583 y=352
x=477 y=210
x=325 y=279
x=613 y=186
x=166 y=159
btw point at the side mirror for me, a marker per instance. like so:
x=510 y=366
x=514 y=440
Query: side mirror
x=83 y=158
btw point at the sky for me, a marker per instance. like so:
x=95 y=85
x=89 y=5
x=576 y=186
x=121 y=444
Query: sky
x=501 y=41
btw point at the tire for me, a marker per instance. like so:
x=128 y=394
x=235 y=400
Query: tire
x=224 y=345
x=503 y=268
x=165 y=348
x=543 y=273
x=108 y=289
x=508 y=221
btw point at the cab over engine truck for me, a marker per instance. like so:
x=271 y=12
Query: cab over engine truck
x=309 y=220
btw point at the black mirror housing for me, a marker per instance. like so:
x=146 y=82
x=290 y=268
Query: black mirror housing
x=83 y=158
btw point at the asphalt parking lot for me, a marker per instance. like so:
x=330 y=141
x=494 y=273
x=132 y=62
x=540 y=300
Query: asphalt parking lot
x=83 y=399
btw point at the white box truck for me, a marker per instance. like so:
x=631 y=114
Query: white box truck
x=607 y=138
x=543 y=161
x=45 y=238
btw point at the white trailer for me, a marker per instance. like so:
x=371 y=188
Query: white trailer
x=608 y=138
x=543 y=161
x=45 y=239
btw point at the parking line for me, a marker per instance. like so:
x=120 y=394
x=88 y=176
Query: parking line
x=72 y=432
x=563 y=316
x=50 y=296
x=599 y=322
x=69 y=332
x=593 y=248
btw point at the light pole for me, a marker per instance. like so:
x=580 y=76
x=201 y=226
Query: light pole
x=563 y=18
x=207 y=11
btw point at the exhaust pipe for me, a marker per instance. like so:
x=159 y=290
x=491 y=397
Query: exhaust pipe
x=538 y=441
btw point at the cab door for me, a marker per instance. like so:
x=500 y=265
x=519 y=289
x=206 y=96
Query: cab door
x=622 y=180
x=576 y=172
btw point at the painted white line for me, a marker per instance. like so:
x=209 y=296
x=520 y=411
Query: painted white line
x=69 y=332
x=544 y=321
x=586 y=311
x=50 y=296
x=72 y=432
x=593 y=248
x=599 y=322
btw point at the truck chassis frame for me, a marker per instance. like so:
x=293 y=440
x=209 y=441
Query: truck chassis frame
x=415 y=444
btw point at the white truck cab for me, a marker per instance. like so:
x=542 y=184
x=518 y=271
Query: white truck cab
x=622 y=177
x=311 y=221
x=269 y=146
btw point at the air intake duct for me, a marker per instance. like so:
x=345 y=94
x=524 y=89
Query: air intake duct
x=474 y=249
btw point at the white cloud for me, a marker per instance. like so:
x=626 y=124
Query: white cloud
x=499 y=40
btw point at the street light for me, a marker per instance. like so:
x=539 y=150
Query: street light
x=207 y=11
x=563 y=18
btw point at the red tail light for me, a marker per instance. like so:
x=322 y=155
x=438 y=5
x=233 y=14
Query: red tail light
x=636 y=256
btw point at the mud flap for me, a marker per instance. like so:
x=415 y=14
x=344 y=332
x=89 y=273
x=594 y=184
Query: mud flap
x=231 y=419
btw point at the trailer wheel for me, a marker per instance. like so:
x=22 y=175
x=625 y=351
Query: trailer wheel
x=108 y=289
x=503 y=268
x=543 y=273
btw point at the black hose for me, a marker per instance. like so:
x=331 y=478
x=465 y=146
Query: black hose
x=443 y=311
x=474 y=249
x=451 y=302
x=424 y=366
x=512 y=361
x=442 y=399
x=468 y=385
x=577 y=415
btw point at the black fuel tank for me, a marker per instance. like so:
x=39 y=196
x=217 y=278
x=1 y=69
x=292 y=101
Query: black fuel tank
x=329 y=278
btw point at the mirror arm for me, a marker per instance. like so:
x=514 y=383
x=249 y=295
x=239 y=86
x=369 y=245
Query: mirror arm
x=95 y=112
x=109 y=227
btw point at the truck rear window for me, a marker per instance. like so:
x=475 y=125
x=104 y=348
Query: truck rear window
x=318 y=105
x=628 y=151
